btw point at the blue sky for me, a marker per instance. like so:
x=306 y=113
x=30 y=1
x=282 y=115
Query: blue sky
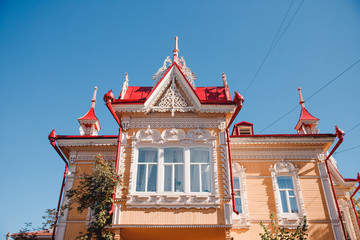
x=53 y=53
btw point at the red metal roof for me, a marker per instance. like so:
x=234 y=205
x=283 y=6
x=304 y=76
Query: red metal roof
x=90 y=115
x=305 y=115
x=206 y=95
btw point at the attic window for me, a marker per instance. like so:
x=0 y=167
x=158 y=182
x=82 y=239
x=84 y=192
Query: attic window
x=244 y=130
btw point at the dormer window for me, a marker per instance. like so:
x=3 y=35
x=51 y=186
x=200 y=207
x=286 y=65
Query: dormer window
x=243 y=128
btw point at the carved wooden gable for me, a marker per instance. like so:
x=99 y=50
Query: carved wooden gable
x=173 y=94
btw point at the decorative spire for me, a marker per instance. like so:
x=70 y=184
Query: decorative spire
x=124 y=86
x=176 y=50
x=89 y=123
x=302 y=102
x=93 y=100
x=226 y=86
x=307 y=123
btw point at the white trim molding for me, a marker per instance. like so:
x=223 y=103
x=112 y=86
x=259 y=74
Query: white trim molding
x=287 y=220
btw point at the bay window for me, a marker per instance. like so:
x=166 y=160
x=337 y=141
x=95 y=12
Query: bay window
x=164 y=170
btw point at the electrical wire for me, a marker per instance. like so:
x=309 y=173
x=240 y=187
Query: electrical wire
x=275 y=41
x=327 y=84
x=352 y=128
x=345 y=150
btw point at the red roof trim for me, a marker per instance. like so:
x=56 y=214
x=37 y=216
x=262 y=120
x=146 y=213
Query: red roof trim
x=285 y=135
x=244 y=123
x=86 y=137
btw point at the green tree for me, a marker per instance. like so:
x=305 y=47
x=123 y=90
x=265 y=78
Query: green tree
x=94 y=192
x=280 y=233
x=356 y=200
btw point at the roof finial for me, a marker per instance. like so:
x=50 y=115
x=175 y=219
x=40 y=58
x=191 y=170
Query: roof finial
x=302 y=102
x=93 y=100
x=176 y=50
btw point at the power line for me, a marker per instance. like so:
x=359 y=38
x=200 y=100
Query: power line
x=345 y=150
x=327 y=84
x=275 y=41
x=352 y=128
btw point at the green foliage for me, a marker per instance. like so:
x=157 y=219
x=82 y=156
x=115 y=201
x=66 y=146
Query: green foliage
x=356 y=200
x=95 y=192
x=280 y=233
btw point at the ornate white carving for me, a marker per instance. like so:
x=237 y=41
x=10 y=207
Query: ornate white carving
x=225 y=171
x=240 y=153
x=125 y=123
x=157 y=76
x=287 y=220
x=124 y=86
x=172 y=101
x=76 y=156
x=173 y=134
x=173 y=201
x=198 y=135
x=88 y=131
x=221 y=125
x=190 y=76
x=178 y=122
x=152 y=135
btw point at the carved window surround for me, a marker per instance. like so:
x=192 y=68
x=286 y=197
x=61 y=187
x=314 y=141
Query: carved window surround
x=168 y=138
x=287 y=220
x=242 y=220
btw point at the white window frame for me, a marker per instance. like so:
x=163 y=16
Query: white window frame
x=173 y=138
x=287 y=169
x=241 y=220
x=173 y=167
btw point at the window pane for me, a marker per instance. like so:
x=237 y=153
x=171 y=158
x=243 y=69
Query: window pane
x=285 y=182
x=293 y=205
x=236 y=183
x=179 y=178
x=195 y=178
x=205 y=178
x=238 y=205
x=283 y=201
x=140 y=180
x=147 y=155
x=199 y=155
x=152 y=176
x=167 y=178
x=291 y=193
x=173 y=155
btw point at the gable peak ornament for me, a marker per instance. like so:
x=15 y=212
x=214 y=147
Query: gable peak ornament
x=190 y=76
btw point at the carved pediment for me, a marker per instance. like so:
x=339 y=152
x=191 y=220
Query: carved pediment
x=172 y=100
